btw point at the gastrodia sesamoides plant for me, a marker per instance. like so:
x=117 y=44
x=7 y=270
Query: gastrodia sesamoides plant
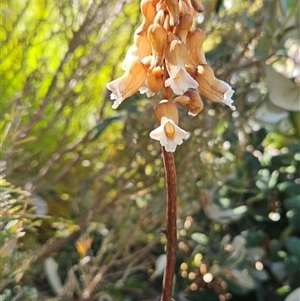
x=167 y=54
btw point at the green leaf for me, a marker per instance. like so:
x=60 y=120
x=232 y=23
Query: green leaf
x=295 y=118
x=283 y=92
x=289 y=187
x=270 y=113
x=294 y=295
x=200 y=238
x=292 y=203
x=293 y=245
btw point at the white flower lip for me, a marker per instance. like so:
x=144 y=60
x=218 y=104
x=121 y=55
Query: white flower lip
x=169 y=143
x=227 y=98
x=144 y=89
x=181 y=82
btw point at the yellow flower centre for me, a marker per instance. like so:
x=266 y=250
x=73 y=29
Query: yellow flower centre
x=169 y=129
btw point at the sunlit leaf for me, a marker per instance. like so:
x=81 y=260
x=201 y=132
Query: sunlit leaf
x=282 y=91
x=294 y=295
x=270 y=113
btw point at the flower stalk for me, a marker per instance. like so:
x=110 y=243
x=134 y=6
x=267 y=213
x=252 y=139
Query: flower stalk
x=171 y=230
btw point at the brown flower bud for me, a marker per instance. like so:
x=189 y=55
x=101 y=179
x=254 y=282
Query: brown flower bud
x=167 y=25
x=166 y=109
x=198 y=6
x=158 y=39
x=188 y=4
x=154 y=79
x=143 y=45
x=182 y=29
x=161 y=5
x=194 y=42
x=176 y=50
x=174 y=13
x=168 y=133
x=183 y=7
x=160 y=17
x=192 y=101
x=148 y=9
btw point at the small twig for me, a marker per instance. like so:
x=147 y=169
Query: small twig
x=171 y=230
x=86 y=294
x=17 y=297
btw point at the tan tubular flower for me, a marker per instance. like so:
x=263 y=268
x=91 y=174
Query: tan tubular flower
x=160 y=17
x=180 y=81
x=173 y=8
x=128 y=83
x=158 y=39
x=148 y=9
x=161 y=5
x=181 y=30
x=142 y=43
x=166 y=109
x=194 y=42
x=183 y=7
x=192 y=101
x=169 y=134
x=140 y=49
x=189 y=6
x=153 y=82
x=198 y=6
x=212 y=88
x=167 y=25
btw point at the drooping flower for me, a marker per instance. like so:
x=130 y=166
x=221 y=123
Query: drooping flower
x=180 y=81
x=158 y=39
x=198 y=6
x=153 y=82
x=148 y=10
x=128 y=83
x=212 y=88
x=182 y=29
x=192 y=101
x=140 y=49
x=174 y=13
x=194 y=42
x=168 y=133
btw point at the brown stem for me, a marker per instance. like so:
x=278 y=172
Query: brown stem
x=171 y=231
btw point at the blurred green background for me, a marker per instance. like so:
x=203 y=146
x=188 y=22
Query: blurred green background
x=82 y=186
